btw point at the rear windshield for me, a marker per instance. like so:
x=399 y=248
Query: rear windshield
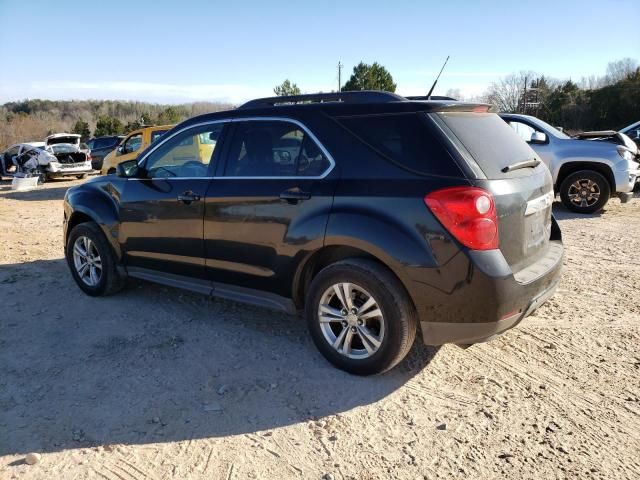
x=406 y=140
x=491 y=142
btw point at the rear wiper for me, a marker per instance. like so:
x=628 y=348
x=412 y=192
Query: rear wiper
x=533 y=163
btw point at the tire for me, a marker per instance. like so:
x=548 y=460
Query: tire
x=109 y=280
x=593 y=183
x=82 y=177
x=395 y=329
x=111 y=171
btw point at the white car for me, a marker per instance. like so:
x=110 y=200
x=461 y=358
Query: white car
x=54 y=158
x=586 y=172
x=633 y=132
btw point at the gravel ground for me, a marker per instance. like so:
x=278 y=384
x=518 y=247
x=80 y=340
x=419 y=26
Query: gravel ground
x=158 y=383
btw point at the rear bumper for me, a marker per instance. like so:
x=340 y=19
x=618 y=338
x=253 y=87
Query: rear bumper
x=439 y=333
x=477 y=296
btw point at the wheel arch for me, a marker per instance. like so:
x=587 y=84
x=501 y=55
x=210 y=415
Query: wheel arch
x=90 y=206
x=328 y=255
x=568 y=168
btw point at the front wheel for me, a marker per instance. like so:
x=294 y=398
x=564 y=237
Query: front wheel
x=360 y=317
x=92 y=261
x=585 y=191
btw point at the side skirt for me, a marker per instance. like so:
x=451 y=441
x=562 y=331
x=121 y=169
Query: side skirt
x=214 y=289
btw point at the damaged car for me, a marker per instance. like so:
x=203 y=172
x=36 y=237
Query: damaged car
x=585 y=173
x=56 y=157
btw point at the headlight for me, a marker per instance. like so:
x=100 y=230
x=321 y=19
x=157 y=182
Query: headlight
x=625 y=153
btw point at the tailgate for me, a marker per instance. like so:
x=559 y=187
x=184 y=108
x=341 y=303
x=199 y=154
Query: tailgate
x=522 y=196
x=523 y=206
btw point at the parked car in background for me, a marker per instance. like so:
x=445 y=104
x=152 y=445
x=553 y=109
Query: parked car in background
x=365 y=210
x=633 y=132
x=131 y=145
x=53 y=160
x=101 y=147
x=585 y=173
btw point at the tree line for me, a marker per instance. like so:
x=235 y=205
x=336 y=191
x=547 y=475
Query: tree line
x=33 y=120
x=611 y=101
x=607 y=102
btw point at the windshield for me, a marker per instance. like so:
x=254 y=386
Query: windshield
x=548 y=128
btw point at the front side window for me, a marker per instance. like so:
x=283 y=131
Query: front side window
x=523 y=130
x=188 y=154
x=132 y=144
x=273 y=149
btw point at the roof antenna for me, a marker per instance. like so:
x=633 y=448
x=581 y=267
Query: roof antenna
x=437 y=78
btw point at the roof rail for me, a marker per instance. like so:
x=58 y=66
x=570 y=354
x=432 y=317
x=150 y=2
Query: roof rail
x=361 y=96
x=432 y=97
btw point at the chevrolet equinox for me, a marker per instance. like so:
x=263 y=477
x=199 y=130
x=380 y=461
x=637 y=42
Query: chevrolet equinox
x=371 y=213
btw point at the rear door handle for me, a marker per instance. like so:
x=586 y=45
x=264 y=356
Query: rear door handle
x=293 y=195
x=188 y=197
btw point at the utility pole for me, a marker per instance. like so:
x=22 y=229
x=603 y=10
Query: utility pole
x=524 y=97
x=340 y=76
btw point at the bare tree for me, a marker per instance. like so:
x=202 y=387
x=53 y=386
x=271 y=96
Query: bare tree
x=506 y=94
x=620 y=69
x=454 y=93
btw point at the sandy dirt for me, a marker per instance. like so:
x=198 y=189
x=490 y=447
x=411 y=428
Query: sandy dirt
x=157 y=383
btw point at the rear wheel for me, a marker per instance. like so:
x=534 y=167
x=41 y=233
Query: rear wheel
x=360 y=317
x=92 y=261
x=111 y=171
x=82 y=177
x=585 y=191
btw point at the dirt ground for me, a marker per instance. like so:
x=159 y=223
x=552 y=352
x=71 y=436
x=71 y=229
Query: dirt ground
x=158 y=383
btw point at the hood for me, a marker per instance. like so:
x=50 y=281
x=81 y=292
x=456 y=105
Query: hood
x=609 y=136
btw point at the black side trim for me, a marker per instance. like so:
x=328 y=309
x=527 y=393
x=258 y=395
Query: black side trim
x=213 y=289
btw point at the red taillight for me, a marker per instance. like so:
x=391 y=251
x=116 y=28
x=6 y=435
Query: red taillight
x=468 y=213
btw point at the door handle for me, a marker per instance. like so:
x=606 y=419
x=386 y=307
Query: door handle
x=188 y=197
x=293 y=195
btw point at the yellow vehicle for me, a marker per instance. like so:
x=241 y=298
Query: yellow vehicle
x=134 y=143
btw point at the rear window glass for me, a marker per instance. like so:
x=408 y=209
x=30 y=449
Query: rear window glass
x=404 y=139
x=492 y=143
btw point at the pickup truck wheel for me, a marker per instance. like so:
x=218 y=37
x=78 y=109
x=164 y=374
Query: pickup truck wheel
x=111 y=171
x=360 y=317
x=585 y=191
x=92 y=261
x=82 y=177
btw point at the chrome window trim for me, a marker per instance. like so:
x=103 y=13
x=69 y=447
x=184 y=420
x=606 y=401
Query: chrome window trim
x=326 y=153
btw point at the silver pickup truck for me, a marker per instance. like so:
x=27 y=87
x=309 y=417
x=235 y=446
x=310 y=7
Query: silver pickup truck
x=586 y=172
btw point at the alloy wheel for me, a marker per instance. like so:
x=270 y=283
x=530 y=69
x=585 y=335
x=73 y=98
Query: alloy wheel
x=87 y=261
x=584 y=193
x=351 y=320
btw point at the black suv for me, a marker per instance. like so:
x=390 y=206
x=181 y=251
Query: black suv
x=101 y=147
x=369 y=212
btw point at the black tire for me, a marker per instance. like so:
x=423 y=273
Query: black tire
x=82 y=177
x=111 y=171
x=602 y=186
x=399 y=314
x=111 y=280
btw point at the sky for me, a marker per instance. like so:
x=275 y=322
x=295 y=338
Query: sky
x=231 y=51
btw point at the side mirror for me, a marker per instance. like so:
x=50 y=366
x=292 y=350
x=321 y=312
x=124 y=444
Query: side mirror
x=538 y=137
x=120 y=150
x=127 y=169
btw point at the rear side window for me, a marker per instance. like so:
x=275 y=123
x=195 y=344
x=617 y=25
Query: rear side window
x=274 y=149
x=492 y=143
x=406 y=140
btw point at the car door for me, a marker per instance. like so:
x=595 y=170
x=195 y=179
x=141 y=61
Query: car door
x=268 y=206
x=162 y=211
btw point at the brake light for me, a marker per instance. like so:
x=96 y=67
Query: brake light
x=468 y=213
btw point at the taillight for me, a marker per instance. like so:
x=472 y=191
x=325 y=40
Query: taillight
x=468 y=213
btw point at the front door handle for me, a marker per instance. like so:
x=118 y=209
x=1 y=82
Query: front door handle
x=188 y=197
x=293 y=195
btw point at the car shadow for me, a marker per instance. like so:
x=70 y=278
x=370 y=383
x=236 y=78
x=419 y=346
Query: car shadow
x=156 y=364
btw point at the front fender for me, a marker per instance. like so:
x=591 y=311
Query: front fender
x=98 y=205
